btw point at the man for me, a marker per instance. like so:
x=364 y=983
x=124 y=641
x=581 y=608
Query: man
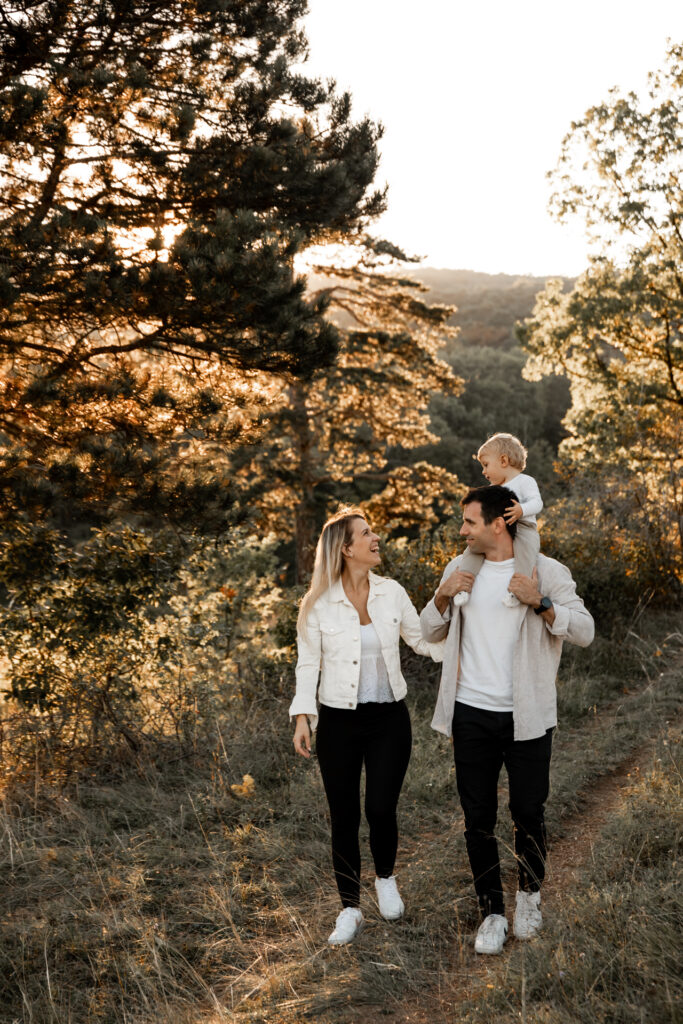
x=497 y=699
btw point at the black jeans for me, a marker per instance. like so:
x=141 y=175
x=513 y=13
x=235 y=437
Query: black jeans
x=379 y=736
x=482 y=743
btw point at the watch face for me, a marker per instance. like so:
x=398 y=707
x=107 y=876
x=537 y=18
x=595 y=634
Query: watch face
x=546 y=604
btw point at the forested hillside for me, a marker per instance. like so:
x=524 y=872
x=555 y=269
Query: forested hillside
x=486 y=355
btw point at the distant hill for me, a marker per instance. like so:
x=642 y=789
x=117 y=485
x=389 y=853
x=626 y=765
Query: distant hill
x=488 y=358
x=489 y=305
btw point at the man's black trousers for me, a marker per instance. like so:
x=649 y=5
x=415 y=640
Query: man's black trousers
x=483 y=742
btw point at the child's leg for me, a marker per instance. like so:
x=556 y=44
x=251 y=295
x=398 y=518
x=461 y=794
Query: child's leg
x=526 y=546
x=470 y=563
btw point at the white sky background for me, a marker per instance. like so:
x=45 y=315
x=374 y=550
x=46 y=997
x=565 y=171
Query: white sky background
x=475 y=99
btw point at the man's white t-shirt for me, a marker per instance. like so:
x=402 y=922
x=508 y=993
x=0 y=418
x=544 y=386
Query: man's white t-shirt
x=488 y=637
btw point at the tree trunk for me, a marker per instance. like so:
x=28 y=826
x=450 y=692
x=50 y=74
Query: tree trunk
x=305 y=513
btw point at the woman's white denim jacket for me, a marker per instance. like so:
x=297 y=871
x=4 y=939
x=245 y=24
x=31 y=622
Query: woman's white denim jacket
x=332 y=643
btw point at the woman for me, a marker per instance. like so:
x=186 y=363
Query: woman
x=348 y=630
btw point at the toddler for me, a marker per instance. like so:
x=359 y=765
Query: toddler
x=502 y=458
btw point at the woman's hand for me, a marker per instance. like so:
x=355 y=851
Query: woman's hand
x=302 y=736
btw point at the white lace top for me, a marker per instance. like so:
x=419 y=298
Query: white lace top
x=373 y=685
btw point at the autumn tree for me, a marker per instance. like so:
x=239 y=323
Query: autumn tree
x=328 y=438
x=617 y=336
x=161 y=165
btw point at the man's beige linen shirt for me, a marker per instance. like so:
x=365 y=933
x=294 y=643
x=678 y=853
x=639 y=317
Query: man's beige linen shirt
x=536 y=656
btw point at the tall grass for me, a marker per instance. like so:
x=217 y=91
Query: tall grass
x=176 y=890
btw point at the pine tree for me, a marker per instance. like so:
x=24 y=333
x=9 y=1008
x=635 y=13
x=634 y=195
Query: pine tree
x=330 y=438
x=162 y=164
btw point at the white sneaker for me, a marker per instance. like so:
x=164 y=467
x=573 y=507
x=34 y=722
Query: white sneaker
x=510 y=601
x=391 y=905
x=348 y=925
x=528 y=920
x=491 y=935
x=461 y=598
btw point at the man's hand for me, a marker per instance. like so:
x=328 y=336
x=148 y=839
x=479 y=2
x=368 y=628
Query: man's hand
x=302 y=736
x=513 y=512
x=452 y=585
x=526 y=590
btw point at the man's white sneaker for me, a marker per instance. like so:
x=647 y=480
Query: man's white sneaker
x=528 y=920
x=491 y=935
x=348 y=925
x=391 y=905
x=510 y=601
x=461 y=598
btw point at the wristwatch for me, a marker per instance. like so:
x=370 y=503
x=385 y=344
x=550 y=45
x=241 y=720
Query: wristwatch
x=545 y=606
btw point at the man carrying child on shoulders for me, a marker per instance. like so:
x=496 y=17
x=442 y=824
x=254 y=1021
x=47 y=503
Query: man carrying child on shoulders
x=497 y=695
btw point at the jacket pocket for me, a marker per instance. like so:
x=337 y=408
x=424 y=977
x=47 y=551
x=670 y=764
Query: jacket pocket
x=388 y=629
x=332 y=637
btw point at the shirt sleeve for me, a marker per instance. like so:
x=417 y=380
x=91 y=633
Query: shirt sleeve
x=307 y=670
x=412 y=632
x=528 y=495
x=573 y=621
x=433 y=624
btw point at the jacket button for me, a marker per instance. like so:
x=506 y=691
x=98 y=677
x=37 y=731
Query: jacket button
x=350 y=704
x=395 y=620
x=353 y=686
x=355 y=662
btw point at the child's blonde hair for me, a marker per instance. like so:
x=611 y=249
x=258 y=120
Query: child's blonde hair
x=505 y=444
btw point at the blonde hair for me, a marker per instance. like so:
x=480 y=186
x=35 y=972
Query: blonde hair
x=505 y=444
x=329 y=562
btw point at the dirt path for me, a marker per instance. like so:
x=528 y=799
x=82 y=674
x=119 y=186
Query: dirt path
x=567 y=858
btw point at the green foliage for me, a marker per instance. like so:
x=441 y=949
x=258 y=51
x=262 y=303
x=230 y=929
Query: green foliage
x=327 y=440
x=496 y=397
x=617 y=335
x=611 y=563
x=74 y=622
x=162 y=166
x=129 y=640
x=170 y=116
x=419 y=564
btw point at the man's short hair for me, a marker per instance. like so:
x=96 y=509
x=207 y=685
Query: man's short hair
x=505 y=444
x=493 y=500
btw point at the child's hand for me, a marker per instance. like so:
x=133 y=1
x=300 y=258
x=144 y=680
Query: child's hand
x=513 y=512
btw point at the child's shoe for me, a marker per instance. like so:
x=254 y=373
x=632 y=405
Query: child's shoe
x=461 y=598
x=510 y=601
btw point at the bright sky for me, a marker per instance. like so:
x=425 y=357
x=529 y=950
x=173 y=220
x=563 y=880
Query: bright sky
x=475 y=99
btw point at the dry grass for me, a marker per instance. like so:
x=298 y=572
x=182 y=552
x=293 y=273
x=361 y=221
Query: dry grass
x=177 y=893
